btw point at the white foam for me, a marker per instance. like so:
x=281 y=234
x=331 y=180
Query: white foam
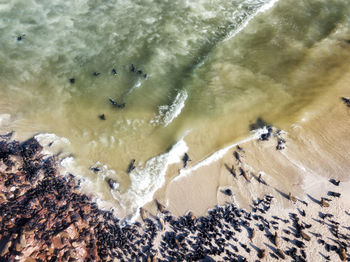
x=146 y=180
x=218 y=154
x=262 y=9
x=5 y=119
x=167 y=113
x=56 y=143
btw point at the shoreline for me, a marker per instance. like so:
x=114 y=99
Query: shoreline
x=48 y=219
x=272 y=204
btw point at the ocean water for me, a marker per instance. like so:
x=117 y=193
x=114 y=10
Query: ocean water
x=193 y=76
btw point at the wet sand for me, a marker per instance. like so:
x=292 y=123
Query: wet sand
x=316 y=150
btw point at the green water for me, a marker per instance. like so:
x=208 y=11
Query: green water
x=212 y=68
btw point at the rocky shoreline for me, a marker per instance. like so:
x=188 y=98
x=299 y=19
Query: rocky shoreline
x=45 y=217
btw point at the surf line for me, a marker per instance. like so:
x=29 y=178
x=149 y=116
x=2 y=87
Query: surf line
x=262 y=9
x=218 y=155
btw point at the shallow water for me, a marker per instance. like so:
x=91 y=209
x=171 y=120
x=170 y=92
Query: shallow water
x=212 y=68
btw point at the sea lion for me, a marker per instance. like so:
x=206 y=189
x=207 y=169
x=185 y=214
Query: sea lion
x=323 y=203
x=131 y=166
x=143 y=214
x=291 y=197
x=102 y=117
x=186 y=159
x=346 y=101
x=280 y=253
x=160 y=207
x=275 y=239
x=252 y=234
x=342 y=254
x=191 y=215
x=304 y=235
x=261 y=253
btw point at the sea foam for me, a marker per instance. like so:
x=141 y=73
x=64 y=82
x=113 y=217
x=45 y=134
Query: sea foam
x=146 y=180
x=167 y=113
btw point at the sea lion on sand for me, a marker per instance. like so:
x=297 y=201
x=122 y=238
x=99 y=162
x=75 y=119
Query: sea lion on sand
x=160 y=207
x=186 y=159
x=143 y=214
x=280 y=253
x=323 y=203
x=291 y=197
x=304 y=235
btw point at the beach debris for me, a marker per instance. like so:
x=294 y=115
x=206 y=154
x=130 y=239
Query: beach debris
x=96 y=73
x=72 y=80
x=115 y=104
x=346 y=101
x=334 y=182
x=102 y=117
x=160 y=207
x=131 y=166
x=186 y=159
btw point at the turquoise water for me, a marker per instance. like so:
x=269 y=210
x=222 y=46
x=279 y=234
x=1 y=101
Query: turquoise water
x=209 y=69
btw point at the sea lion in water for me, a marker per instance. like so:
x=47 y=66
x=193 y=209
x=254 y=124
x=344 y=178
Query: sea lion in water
x=131 y=166
x=346 y=101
